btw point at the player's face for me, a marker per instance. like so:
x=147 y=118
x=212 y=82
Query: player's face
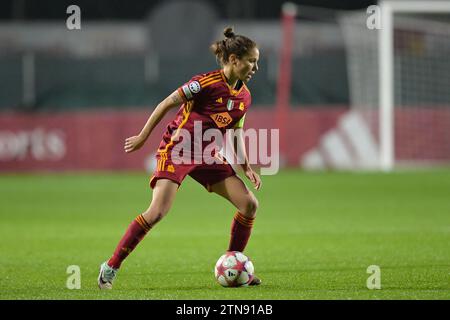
x=247 y=66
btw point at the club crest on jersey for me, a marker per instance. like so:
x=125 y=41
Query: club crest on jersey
x=230 y=105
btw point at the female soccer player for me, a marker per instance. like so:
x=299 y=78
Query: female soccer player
x=215 y=100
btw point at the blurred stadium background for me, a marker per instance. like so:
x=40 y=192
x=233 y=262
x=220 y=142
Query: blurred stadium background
x=318 y=82
x=68 y=98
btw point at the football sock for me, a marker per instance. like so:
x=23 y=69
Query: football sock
x=241 y=228
x=135 y=233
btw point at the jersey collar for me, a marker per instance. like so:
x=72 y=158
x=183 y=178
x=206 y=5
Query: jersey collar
x=233 y=92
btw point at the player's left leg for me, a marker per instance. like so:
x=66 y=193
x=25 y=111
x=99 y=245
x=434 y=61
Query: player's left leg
x=234 y=190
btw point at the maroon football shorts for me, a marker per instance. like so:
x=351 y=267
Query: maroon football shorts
x=205 y=174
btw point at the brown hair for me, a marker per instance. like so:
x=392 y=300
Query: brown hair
x=233 y=43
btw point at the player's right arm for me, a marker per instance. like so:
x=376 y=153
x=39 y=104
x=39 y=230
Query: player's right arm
x=136 y=142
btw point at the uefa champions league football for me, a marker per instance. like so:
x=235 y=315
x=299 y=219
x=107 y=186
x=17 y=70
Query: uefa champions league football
x=234 y=269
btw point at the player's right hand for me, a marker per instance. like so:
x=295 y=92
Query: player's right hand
x=133 y=143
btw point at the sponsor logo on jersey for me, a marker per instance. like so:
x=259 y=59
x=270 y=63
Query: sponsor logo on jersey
x=222 y=119
x=230 y=105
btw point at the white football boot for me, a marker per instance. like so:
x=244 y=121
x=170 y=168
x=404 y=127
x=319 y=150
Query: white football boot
x=106 y=276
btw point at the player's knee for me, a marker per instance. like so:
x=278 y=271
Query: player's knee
x=251 y=207
x=255 y=205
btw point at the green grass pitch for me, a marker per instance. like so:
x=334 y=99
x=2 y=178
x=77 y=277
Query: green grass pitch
x=314 y=237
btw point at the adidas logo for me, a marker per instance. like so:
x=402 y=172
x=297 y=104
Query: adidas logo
x=350 y=145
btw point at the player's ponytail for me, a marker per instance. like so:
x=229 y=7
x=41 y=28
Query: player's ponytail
x=232 y=44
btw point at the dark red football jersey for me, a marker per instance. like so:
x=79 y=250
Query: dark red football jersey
x=212 y=103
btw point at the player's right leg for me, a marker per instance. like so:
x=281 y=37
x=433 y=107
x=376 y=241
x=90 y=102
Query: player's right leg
x=164 y=193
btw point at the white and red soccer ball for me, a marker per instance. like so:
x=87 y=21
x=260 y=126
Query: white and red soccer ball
x=234 y=269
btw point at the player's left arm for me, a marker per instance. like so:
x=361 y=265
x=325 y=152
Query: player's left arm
x=241 y=153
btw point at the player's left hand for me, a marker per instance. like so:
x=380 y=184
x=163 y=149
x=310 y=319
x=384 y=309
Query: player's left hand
x=253 y=177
